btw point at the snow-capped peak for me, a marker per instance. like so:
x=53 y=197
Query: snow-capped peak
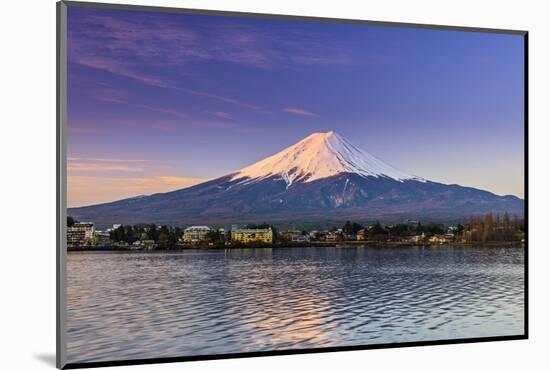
x=320 y=155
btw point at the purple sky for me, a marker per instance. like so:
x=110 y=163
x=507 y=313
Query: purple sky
x=161 y=101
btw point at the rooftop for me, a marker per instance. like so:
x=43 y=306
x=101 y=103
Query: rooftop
x=251 y=230
x=198 y=228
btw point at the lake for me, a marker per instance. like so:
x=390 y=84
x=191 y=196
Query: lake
x=197 y=302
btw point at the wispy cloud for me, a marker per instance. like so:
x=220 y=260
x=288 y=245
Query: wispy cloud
x=111 y=160
x=177 y=182
x=224 y=99
x=169 y=126
x=80 y=129
x=102 y=166
x=111 y=95
x=152 y=50
x=321 y=60
x=121 y=68
x=300 y=112
x=221 y=114
x=184 y=119
x=141 y=46
x=101 y=179
x=86 y=190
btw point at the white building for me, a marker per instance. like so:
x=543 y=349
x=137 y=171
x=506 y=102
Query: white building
x=195 y=234
x=115 y=226
x=80 y=233
x=300 y=238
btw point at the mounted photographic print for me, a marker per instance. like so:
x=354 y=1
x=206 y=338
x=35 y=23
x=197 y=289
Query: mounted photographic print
x=234 y=184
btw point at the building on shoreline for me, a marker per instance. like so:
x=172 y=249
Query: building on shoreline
x=80 y=233
x=195 y=234
x=441 y=238
x=83 y=235
x=295 y=236
x=289 y=235
x=115 y=226
x=334 y=236
x=102 y=238
x=300 y=238
x=252 y=235
x=417 y=238
x=362 y=235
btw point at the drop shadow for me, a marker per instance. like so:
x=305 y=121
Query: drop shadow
x=47 y=358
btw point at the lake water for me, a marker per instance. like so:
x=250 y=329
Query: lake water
x=145 y=305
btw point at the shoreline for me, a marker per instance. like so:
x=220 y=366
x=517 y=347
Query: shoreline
x=342 y=245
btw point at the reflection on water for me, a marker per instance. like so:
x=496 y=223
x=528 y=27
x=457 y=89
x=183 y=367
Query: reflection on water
x=143 y=305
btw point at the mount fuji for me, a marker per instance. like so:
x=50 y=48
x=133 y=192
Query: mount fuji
x=322 y=177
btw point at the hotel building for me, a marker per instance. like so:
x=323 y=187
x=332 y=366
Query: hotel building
x=252 y=235
x=80 y=233
x=195 y=234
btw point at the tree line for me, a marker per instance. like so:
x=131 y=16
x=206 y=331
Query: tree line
x=163 y=235
x=375 y=230
x=494 y=228
x=490 y=227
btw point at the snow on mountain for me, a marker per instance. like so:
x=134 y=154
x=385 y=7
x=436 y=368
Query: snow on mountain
x=320 y=155
x=322 y=177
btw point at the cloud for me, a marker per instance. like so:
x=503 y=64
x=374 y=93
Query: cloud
x=146 y=125
x=142 y=46
x=185 y=120
x=81 y=130
x=116 y=160
x=86 y=190
x=100 y=167
x=321 y=60
x=175 y=181
x=115 y=96
x=157 y=51
x=224 y=99
x=105 y=165
x=93 y=180
x=117 y=67
x=300 y=112
x=221 y=114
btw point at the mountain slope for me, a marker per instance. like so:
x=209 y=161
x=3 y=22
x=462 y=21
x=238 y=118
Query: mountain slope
x=321 y=177
x=320 y=155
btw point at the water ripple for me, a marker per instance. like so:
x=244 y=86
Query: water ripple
x=144 y=305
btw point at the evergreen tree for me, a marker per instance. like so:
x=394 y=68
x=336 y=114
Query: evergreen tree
x=70 y=221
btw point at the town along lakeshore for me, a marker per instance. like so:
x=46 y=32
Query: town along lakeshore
x=488 y=230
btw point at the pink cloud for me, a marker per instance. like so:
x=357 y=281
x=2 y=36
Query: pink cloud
x=84 y=189
x=321 y=60
x=80 y=130
x=105 y=165
x=224 y=99
x=105 y=43
x=100 y=167
x=156 y=125
x=118 y=160
x=300 y=112
x=221 y=114
x=116 y=67
x=122 y=97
